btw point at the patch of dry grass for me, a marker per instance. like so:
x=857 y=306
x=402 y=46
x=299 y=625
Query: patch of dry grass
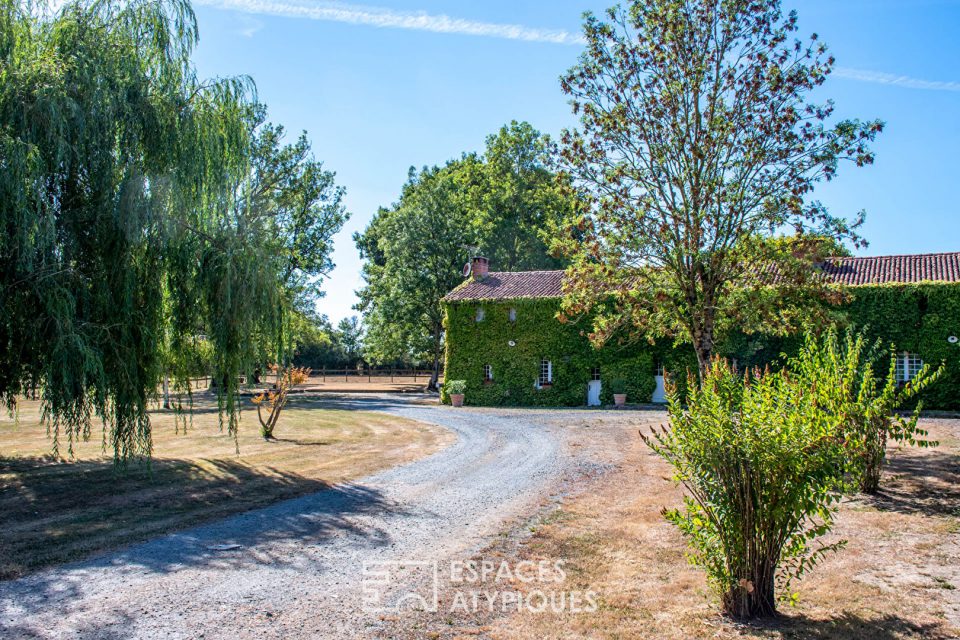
x=52 y=512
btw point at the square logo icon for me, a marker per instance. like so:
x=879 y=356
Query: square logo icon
x=392 y=586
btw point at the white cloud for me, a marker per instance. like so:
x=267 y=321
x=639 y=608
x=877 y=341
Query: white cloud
x=439 y=23
x=878 y=77
x=388 y=18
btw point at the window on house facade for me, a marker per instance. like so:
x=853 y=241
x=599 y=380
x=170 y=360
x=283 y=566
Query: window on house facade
x=908 y=366
x=659 y=368
x=480 y=314
x=595 y=373
x=512 y=314
x=546 y=372
x=488 y=373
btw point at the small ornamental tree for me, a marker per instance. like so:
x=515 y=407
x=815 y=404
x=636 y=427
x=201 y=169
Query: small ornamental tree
x=701 y=140
x=763 y=467
x=852 y=379
x=276 y=399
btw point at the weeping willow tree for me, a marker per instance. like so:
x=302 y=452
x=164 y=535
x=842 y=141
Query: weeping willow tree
x=123 y=178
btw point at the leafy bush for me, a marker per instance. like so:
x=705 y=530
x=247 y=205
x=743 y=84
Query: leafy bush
x=763 y=465
x=456 y=387
x=618 y=386
x=276 y=399
x=846 y=377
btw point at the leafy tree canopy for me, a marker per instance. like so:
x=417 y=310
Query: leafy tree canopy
x=506 y=204
x=143 y=211
x=700 y=140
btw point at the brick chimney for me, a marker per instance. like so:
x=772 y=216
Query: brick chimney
x=480 y=267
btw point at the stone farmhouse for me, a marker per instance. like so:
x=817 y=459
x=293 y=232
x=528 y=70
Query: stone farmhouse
x=504 y=339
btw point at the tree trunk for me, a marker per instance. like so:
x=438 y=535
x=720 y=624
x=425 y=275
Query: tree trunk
x=703 y=345
x=266 y=426
x=876 y=453
x=166 y=391
x=751 y=598
x=433 y=385
x=435 y=373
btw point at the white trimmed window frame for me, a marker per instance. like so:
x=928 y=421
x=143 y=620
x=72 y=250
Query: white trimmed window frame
x=908 y=366
x=546 y=373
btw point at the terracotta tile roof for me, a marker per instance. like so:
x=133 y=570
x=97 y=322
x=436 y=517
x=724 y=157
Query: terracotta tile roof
x=930 y=267
x=510 y=285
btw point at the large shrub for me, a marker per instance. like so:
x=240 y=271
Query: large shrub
x=763 y=467
x=856 y=381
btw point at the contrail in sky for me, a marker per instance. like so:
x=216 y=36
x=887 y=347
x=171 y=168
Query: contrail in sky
x=388 y=18
x=878 y=77
x=439 y=23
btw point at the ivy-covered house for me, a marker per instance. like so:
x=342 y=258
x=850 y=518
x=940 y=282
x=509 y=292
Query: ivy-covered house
x=504 y=339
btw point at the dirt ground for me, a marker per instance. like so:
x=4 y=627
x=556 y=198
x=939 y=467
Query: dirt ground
x=899 y=576
x=52 y=512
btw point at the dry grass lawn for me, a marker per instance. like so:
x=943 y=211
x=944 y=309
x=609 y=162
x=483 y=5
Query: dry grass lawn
x=899 y=577
x=52 y=512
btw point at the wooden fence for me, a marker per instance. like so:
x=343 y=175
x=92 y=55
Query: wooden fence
x=372 y=375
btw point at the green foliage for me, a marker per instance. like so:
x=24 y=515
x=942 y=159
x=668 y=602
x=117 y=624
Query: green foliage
x=700 y=139
x=536 y=334
x=848 y=379
x=455 y=387
x=321 y=345
x=141 y=207
x=763 y=466
x=618 y=386
x=519 y=204
x=294 y=206
x=919 y=319
x=505 y=204
x=414 y=255
x=915 y=318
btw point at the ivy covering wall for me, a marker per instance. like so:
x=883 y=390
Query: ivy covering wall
x=917 y=318
x=536 y=334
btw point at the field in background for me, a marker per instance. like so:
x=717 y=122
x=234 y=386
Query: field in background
x=347 y=380
x=53 y=512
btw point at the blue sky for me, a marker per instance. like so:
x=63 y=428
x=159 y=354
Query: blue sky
x=383 y=86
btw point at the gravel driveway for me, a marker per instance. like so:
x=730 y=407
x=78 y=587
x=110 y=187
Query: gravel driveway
x=298 y=569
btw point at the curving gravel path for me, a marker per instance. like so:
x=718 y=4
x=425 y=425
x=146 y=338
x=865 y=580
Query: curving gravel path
x=297 y=571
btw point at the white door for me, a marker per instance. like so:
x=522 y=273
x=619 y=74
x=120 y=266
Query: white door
x=593 y=393
x=659 y=394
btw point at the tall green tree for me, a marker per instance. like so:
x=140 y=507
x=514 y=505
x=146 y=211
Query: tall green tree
x=324 y=346
x=520 y=207
x=296 y=206
x=349 y=336
x=414 y=254
x=700 y=139
x=506 y=204
x=130 y=222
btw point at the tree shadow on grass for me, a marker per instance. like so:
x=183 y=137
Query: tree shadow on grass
x=846 y=626
x=51 y=513
x=302 y=443
x=926 y=482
